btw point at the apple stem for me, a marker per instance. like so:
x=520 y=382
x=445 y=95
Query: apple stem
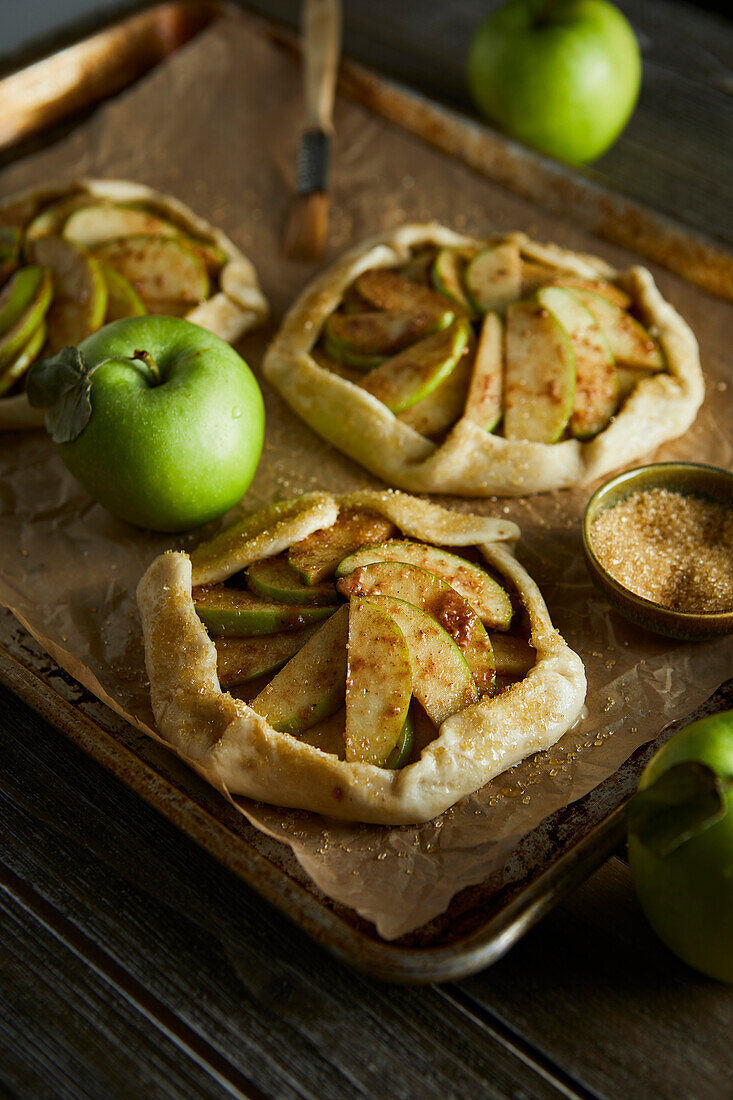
x=149 y=363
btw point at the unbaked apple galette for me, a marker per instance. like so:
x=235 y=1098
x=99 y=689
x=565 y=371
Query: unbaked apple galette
x=373 y=657
x=449 y=364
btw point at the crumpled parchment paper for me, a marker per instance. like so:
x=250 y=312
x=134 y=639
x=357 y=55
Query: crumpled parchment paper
x=217 y=125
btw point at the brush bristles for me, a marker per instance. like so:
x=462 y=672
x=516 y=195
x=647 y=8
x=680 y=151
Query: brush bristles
x=311 y=167
x=307 y=228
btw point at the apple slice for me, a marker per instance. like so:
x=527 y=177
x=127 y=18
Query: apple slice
x=388 y=290
x=315 y=558
x=409 y=377
x=539 y=374
x=484 y=401
x=50 y=221
x=225 y=610
x=485 y=595
x=418 y=269
x=441 y=679
x=447 y=278
x=445 y=404
x=416 y=586
x=161 y=269
x=630 y=343
x=378 y=684
x=342 y=355
x=494 y=277
x=275 y=579
x=312 y=684
x=10 y=240
x=239 y=660
x=211 y=255
x=16 y=369
x=596 y=385
x=535 y=275
x=328 y=734
x=122 y=298
x=401 y=753
x=24 y=301
x=375 y=336
x=601 y=287
x=79 y=291
x=243 y=542
x=628 y=379
x=513 y=656
x=100 y=222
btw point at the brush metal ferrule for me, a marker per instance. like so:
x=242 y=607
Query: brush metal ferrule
x=311 y=167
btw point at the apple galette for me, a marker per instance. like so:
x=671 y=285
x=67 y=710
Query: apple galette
x=372 y=657
x=74 y=257
x=448 y=364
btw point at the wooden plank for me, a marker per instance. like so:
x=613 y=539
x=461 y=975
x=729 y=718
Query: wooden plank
x=593 y=986
x=65 y=1032
x=235 y=973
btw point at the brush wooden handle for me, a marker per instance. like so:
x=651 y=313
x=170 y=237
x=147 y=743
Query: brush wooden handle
x=321 y=49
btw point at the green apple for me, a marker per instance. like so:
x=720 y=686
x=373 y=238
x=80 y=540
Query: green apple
x=161 y=421
x=560 y=75
x=680 y=826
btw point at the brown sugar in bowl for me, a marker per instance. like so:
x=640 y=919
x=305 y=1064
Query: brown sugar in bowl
x=690 y=480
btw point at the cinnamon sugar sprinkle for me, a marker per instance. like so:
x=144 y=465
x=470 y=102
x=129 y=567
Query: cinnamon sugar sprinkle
x=672 y=549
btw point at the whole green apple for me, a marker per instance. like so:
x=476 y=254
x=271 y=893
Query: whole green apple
x=560 y=75
x=161 y=421
x=681 y=844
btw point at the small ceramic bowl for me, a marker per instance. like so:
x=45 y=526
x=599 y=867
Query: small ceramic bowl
x=690 y=479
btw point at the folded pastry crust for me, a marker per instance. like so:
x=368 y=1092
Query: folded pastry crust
x=234 y=309
x=471 y=461
x=239 y=752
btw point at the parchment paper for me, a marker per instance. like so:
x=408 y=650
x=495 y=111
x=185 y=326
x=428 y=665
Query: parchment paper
x=217 y=125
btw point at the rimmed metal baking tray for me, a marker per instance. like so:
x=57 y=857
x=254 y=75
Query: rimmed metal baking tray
x=44 y=98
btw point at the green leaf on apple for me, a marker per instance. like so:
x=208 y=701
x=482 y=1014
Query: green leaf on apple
x=684 y=801
x=62 y=384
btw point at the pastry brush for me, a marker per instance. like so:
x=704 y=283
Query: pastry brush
x=307 y=227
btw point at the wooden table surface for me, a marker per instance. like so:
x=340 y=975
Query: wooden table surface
x=133 y=965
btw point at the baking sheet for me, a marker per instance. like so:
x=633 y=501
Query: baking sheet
x=69 y=571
